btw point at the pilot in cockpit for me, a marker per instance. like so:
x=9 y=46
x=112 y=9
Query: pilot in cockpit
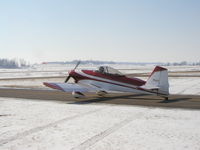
x=101 y=69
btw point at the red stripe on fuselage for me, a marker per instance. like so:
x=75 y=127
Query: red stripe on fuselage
x=79 y=77
x=123 y=79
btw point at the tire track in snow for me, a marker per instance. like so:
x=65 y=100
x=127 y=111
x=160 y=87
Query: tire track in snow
x=40 y=128
x=91 y=141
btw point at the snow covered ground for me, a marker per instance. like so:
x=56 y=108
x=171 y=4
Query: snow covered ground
x=184 y=85
x=42 y=125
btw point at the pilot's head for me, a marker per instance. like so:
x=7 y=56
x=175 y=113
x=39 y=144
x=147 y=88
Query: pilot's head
x=101 y=69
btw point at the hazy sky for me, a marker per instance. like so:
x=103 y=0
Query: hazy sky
x=117 y=30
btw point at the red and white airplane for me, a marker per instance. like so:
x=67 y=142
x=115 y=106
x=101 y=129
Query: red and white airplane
x=109 y=80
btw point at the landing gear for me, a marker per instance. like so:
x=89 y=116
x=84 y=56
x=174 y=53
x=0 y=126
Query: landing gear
x=101 y=93
x=166 y=98
x=78 y=94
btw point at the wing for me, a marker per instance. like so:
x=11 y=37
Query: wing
x=70 y=87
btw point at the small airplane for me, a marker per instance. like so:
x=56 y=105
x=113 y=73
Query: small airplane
x=109 y=80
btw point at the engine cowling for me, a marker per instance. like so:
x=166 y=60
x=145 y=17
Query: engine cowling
x=78 y=94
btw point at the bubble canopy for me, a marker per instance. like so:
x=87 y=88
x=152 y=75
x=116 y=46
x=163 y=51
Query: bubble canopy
x=109 y=70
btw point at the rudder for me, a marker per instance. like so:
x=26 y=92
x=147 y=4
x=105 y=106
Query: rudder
x=159 y=80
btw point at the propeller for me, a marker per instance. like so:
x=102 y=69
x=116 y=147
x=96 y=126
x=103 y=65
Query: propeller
x=78 y=63
x=68 y=77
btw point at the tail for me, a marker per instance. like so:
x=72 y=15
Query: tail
x=158 y=80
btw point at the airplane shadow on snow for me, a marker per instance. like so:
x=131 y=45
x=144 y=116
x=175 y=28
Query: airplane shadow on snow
x=104 y=99
x=129 y=99
x=175 y=100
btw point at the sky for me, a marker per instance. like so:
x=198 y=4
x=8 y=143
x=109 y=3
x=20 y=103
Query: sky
x=109 y=30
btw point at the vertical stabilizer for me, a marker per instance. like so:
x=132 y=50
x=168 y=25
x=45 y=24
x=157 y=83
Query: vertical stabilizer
x=158 y=80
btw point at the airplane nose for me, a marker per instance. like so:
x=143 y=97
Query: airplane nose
x=71 y=72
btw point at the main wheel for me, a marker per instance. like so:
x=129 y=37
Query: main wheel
x=101 y=93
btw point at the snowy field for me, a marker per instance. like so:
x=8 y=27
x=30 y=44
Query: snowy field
x=49 y=70
x=42 y=125
x=182 y=80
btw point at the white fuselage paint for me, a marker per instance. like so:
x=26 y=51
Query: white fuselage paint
x=109 y=85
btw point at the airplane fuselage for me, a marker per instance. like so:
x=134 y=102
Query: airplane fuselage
x=107 y=81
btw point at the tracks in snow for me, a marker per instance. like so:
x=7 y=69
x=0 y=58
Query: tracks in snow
x=40 y=128
x=91 y=141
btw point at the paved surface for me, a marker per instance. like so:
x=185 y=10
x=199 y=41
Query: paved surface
x=175 y=101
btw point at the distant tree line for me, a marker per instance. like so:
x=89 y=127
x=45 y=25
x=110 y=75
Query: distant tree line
x=13 y=63
x=96 y=62
x=183 y=63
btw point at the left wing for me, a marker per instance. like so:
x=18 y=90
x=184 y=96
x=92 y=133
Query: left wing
x=70 y=87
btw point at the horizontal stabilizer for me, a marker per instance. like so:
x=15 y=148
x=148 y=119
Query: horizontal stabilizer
x=150 y=87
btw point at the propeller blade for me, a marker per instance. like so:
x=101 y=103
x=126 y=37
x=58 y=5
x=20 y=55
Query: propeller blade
x=67 y=79
x=78 y=63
